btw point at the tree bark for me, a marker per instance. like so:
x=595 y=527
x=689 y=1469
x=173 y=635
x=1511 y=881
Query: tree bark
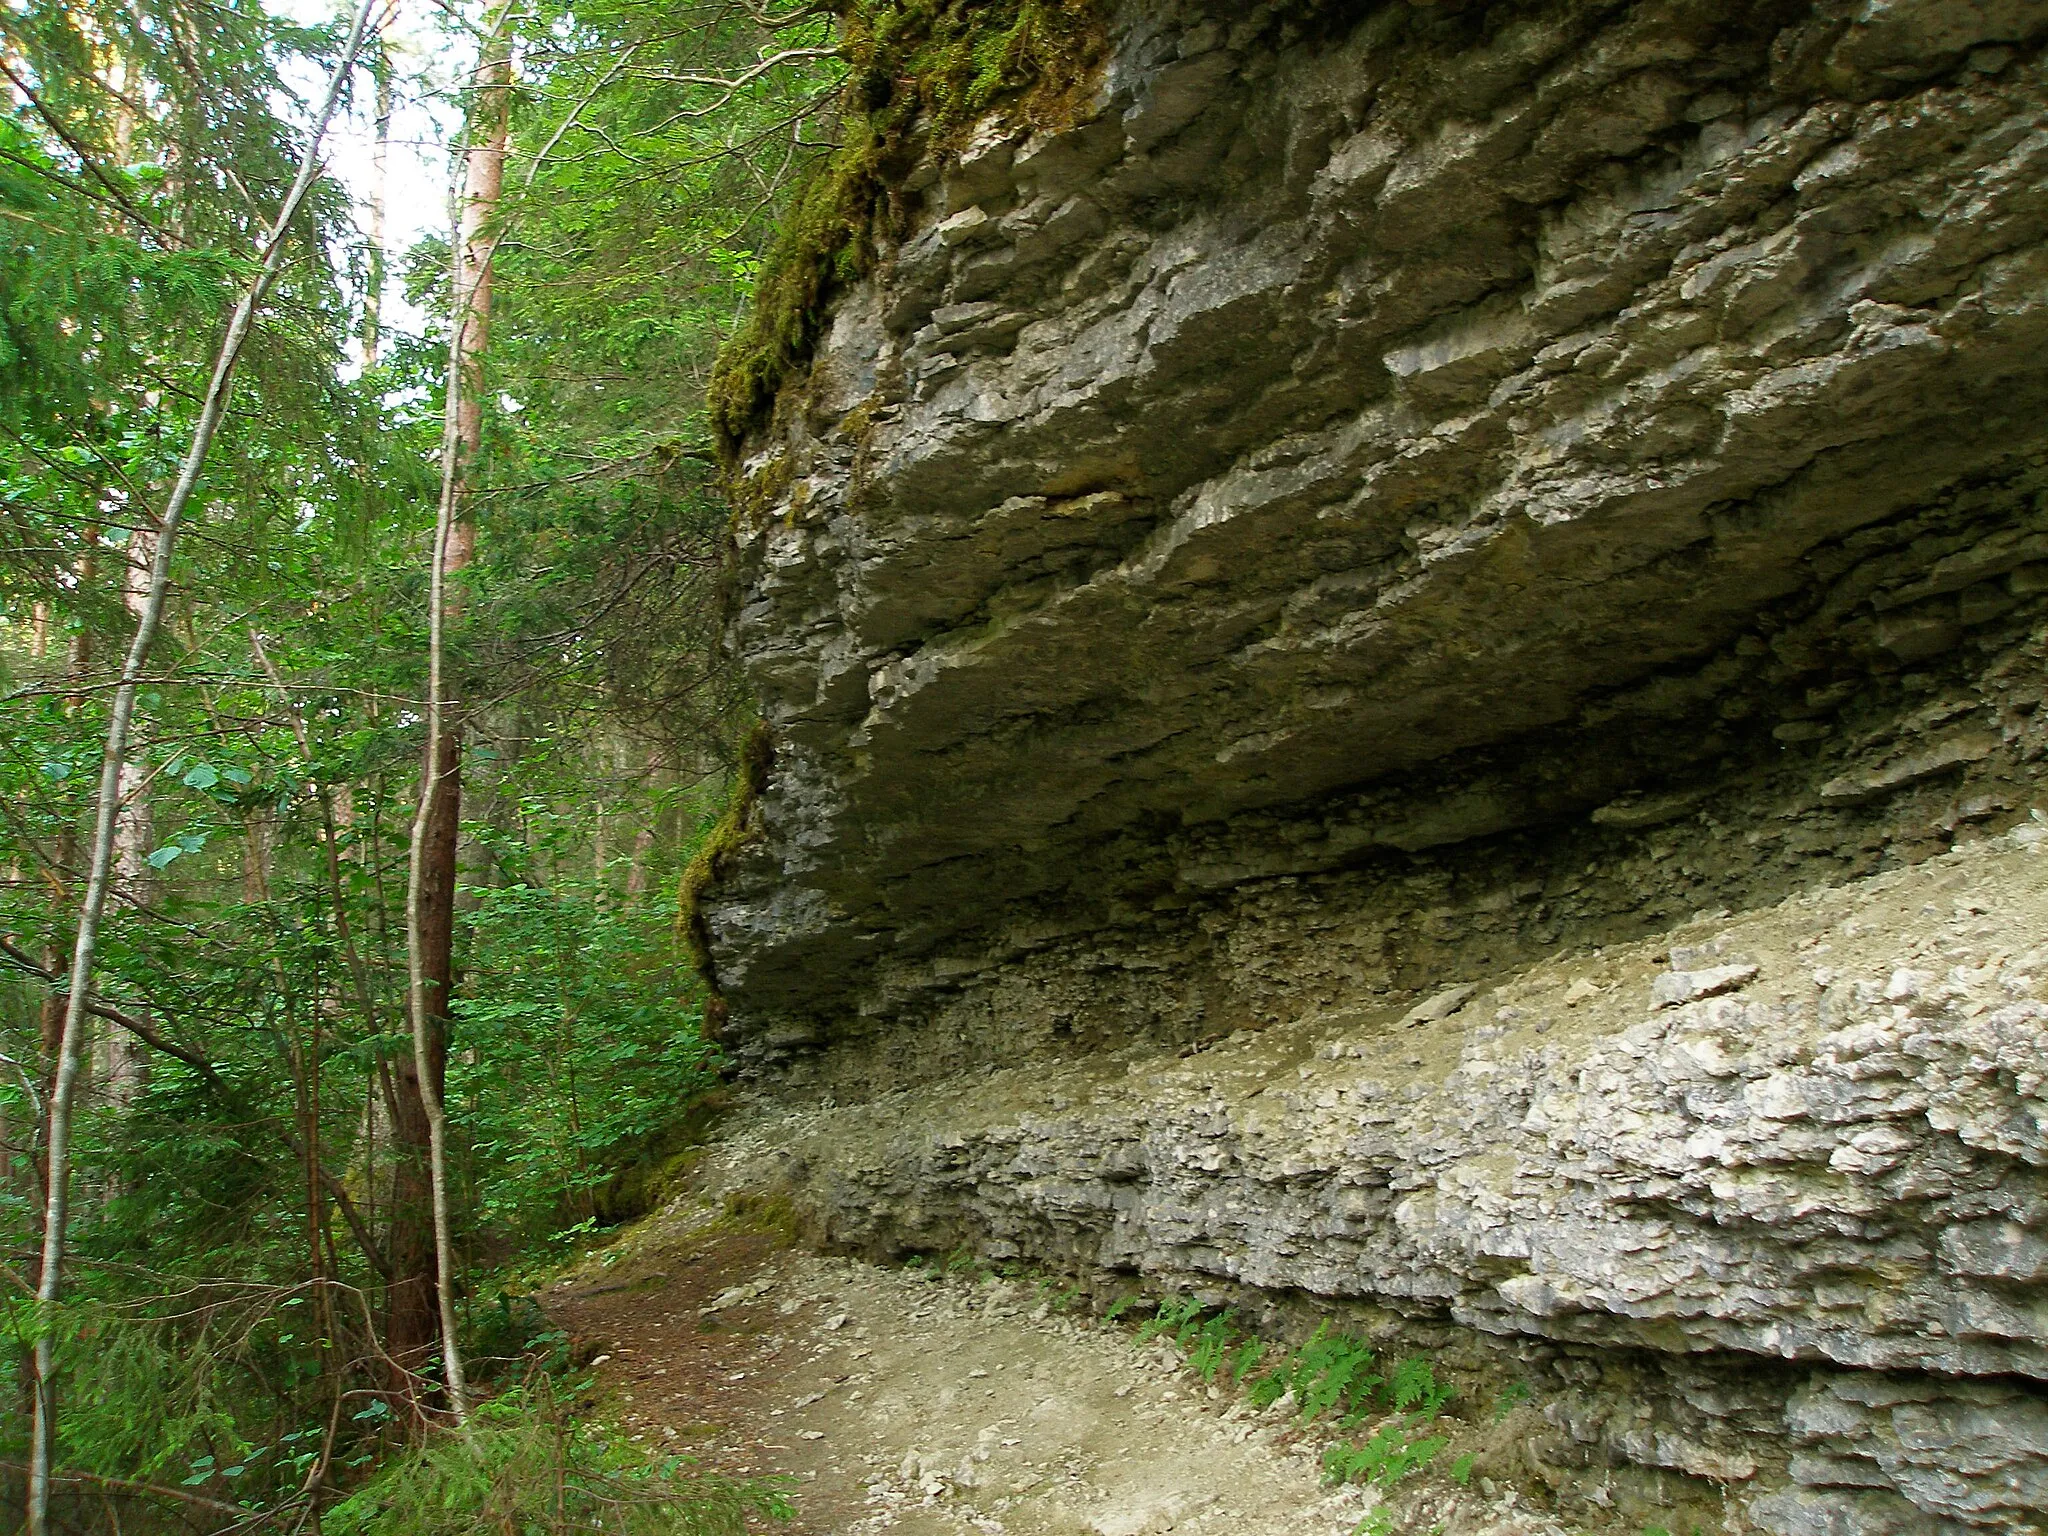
x=419 y=1124
x=72 y=1040
x=650 y=779
x=120 y=1061
x=380 y=180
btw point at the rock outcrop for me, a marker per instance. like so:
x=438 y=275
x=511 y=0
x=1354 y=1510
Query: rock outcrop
x=1387 y=494
x=1764 y=1206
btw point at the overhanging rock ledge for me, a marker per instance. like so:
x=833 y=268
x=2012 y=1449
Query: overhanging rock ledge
x=1395 y=492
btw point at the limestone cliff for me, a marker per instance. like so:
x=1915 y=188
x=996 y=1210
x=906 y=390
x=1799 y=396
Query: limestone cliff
x=1380 y=497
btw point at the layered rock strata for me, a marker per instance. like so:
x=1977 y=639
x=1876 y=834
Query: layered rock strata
x=1327 y=408
x=1392 y=492
x=1763 y=1201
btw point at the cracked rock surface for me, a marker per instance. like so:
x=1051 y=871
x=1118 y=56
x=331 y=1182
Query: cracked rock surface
x=1785 y=1237
x=1328 y=407
x=1404 y=676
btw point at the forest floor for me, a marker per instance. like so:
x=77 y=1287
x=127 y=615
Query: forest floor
x=942 y=1405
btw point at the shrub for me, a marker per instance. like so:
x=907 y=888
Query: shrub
x=525 y=1467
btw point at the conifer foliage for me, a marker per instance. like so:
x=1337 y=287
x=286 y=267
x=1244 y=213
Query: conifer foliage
x=230 y=1346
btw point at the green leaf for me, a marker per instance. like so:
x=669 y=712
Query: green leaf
x=201 y=776
x=165 y=856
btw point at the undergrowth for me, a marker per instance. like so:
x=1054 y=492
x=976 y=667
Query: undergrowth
x=1331 y=1379
x=524 y=1465
x=919 y=74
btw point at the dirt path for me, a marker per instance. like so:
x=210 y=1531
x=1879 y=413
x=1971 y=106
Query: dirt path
x=900 y=1400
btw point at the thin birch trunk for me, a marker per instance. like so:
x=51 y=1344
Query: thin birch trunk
x=70 y=1052
x=121 y=1062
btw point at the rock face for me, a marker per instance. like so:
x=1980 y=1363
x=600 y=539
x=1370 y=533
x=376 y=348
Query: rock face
x=1385 y=497
x=1778 y=1225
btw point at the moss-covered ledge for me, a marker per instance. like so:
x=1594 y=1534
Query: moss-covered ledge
x=920 y=74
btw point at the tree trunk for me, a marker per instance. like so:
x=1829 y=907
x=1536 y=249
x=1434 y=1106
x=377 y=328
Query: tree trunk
x=258 y=841
x=412 y=1320
x=120 y=1060
x=643 y=849
x=380 y=178
x=419 y=1130
x=644 y=840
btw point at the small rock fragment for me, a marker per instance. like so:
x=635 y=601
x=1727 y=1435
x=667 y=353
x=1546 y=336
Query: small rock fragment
x=1441 y=1006
x=1675 y=987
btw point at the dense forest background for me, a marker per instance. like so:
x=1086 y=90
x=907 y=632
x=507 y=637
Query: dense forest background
x=244 y=1337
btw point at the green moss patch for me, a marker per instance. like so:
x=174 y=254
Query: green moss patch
x=920 y=73
x=714 y=861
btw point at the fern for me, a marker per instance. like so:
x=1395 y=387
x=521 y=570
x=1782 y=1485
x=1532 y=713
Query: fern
x=1170 y=1317
x=1385 y=1459
x=1245 y=1361
x=1330 y=1373
x=1211 y=1346
x=1414 y=1385
x=1268 y=1389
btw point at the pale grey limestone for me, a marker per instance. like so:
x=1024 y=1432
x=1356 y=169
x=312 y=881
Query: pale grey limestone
x=1842 y=1167
x=1326 y=408
x=1368 y=509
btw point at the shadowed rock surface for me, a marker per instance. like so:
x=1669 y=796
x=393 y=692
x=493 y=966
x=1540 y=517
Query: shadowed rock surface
x=1378 y=502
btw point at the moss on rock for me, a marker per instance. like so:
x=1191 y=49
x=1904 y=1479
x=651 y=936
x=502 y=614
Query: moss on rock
x=920 y=73
x=714 y=860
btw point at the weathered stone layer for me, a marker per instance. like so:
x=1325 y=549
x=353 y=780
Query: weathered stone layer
x=1331 y=406
x=1812 y=1137
x=1382 y=502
